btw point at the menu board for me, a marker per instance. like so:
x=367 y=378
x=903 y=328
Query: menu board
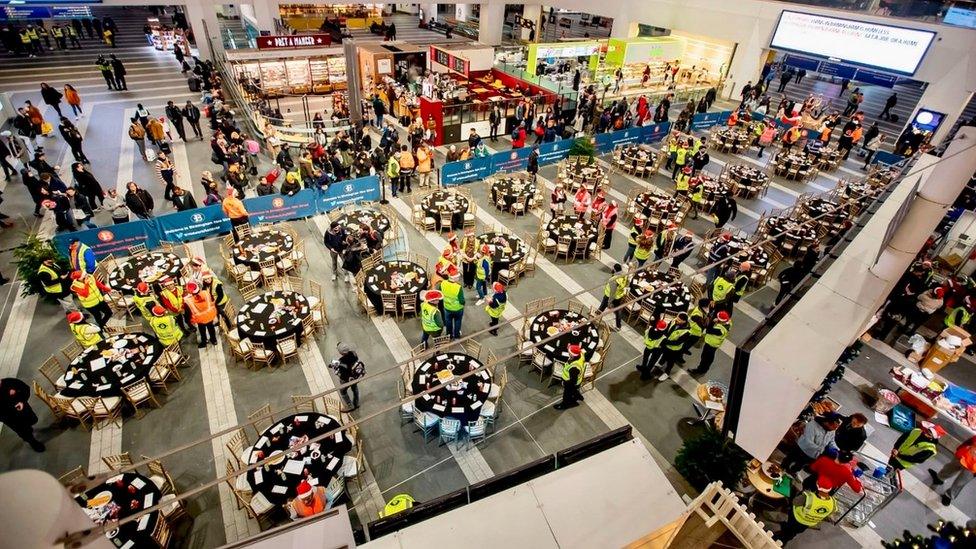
x=442 y=57
x=460 y=65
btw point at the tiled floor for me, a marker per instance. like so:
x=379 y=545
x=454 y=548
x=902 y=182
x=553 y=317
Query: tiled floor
x=215 y=394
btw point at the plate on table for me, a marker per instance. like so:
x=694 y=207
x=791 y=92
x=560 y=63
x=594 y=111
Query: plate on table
x=552 y=330
x=772 y=471
x=276 y=457
x=101 y=499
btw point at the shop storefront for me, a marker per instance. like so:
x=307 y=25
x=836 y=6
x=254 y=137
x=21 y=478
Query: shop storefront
x=676 y=62
x=393 y=69
x=308 y=17
x=165 y=37
x=288 y=72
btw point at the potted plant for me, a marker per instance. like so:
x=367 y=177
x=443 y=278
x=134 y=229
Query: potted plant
x=711 y=456
x=583 y=146
x=28 y=257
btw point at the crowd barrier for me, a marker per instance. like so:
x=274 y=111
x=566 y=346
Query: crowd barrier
x=209 y=221
x=477 y=169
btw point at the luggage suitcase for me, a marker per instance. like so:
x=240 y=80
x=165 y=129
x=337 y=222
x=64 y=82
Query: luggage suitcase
x=893 y=118
x=194 y=83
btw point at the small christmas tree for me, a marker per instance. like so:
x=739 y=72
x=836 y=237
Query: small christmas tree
x=945 y=535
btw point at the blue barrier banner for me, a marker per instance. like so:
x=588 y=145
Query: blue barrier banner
x=886 y=158
x=705 y=120
x=655 y=132
x=606 y=142
x=278 y=207
x=555 y=151
x=876 y=78
x=111 y=239
x=465 y=171
x=510 y=161
x=361 y=189
x=193 y=224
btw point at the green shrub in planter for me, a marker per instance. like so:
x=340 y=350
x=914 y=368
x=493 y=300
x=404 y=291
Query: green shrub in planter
x=583 y=146
x=711 y=456
x=28 y=258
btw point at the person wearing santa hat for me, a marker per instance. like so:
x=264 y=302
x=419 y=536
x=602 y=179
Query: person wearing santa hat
x=90 y=292
x=809 y=509
x=482 y=273
x=496 y=306
x=635 y=232
x=453 y=295
x=572 y=375
x=653 y=337
x=164 y=326
x=581 y=202
x=85 y=334
x=445 y=261
x=311 y=501
x=203 y=313
x=715 y=335
x=916 y=446
x=431 y=321
x=468 y=254
x=144 y=299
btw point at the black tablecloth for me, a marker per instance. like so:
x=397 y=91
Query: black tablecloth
x=824 y=211
x=150 y=267
x=787 y=160
x=120 y=497
x=506 y=250
x=438 y=201
x=656 y=206
x=574 y=175
x=674 y=299
x=747 y=176
x=636 y=155
x=512 y=190
x=460 y=400
x=380 y=280
x=262 y=246
x=566 y=226
x=114 y=362
x=362 y=219
x=284 y=307
x=318 y=464
x=588 y=337
x=782 y=229
x=737 y=138
x=757 y=256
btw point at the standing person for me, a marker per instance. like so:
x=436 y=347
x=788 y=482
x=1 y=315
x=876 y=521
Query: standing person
x=393 y=172
x=192 y=115
x=349 y=368
x=106 y=69
x=167 y=173
x=73 y=100
x=220 y=298
x=715 y=335
x=653 y=337
x=808 y=510
x=468 y=254
x=494 y=120
x=139 y=201
x=916 y=446
x=52 y=97
x=572 y=375
x=8 y=169
x=90 y=293
x=674 y=344
x=235 y=211
x=635 y=232
x=963 y=468
x=482 y=274
x=889 y=104
x=799 y=76
x=335 y=241
x=453 y=295
x=165 y=325
x=182 y=200
x=54 y=283
x=203 y=313
x=81 y=257
x=87 y=185
x=613 y=293
x=725 y=210
x=115 y=205
x=87 y=335
x=425 y=166
x=532 y=165
x=851 y=435
x=431 y=321
x=137 y=133
x=496 y=306
x=175 y=115
x=872 y=147
x=16 y=411
x=407 y=166
x=118 y=69
x=557 y=200
x=818 y=434
x=81 y=210
x=73 y=138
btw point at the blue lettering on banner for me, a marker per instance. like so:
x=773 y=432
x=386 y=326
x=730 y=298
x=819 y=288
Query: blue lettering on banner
x=554 y=151
x=655 y=132
x=279 y=207
x=705 y=120
x=800 y=62
x=836 y=69
x=465 y=171
x=111 y=239
x=606 y=142
x=193 y=224
x=510 y=161
x=876 y=78
x=361 y=189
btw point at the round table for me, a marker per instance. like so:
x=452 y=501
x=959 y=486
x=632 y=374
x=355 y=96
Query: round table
x=317 y=463
x=150 y=267
x=636 y=156
x=506 y=249
x=399 y=278
x=712 y=189
x=263 y=245
x=363 y=219
x=574 y=174
x=735 y=139
x=709 y=397
x=784 y=230
x=739 y=247
x=747 y=179
x=788 y=160
x=823 y=210
x=271 y=316
x=569 y=325
x=447 y=202
x=659 y=208
x=461 y=399
x=856 y=190
x=761 y=482
x=570 y=226
x=511 y=190
x=119 y=497
x=667 y=294
x=112 y=363
x=825 y=157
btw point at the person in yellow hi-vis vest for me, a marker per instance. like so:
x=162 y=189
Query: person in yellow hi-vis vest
x=144 y=300
x=715 y=335
x=399 y=503
x=916 y=446
x=164 y=326
x=431 y=321
x=682 y=182
x=496 y=306
x=90 y=292
x=87 y=335
x=453 y=295
x=572 y=374
x=809 y=510
x=613 y=293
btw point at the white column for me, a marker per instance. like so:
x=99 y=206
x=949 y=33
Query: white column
x=461 y=12
x=265 y=12
x=199 y=12
x=623 y=26
x=490 y=24
x=430 y=10
x=746 y=64
x=948 y=95
x=532 y=12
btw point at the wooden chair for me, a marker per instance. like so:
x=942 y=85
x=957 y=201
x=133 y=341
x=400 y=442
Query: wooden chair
x=242 y=231
x=118 y=462
x=137 y=250
x=160 y=373
x=260 y=419
x=236 y=445
x=409 y=304
x=268 y=270
x=103 y=408
x=353 y=466
x=261 y=356
x=248 y=291
x=63 y=407
x=287 y=347
x=564 y=247
x=138 y=393
x=390 y=305
x=472 y=347
x=303 y=403
x=71 y=350
x=52 y=371
x=74 y=476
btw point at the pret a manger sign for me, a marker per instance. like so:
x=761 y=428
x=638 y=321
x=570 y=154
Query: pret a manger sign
x=285 y=41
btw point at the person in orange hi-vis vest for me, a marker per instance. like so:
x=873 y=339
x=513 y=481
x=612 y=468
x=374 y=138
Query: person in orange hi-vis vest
x=203 y=313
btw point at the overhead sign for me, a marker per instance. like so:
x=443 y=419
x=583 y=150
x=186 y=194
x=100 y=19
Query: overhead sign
x=286 y=41
x=886 y=47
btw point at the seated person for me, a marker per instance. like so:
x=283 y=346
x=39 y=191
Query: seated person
x=311 y=501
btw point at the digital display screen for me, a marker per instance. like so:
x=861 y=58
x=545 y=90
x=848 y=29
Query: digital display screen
x=896 y=49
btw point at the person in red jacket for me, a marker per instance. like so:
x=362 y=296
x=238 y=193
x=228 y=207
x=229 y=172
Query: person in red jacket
x=518 y=137
x=835 y=468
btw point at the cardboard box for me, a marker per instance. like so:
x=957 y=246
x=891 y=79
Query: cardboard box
x=937 y=358
x=962 y=334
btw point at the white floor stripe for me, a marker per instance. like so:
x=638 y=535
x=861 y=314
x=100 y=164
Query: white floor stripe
x=15 y=333
x=105 y=441
x=126 y=154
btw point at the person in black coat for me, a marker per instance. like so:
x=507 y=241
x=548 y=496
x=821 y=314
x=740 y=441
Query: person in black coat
x=8 y=168
x=182 y=199
x=192 y=115
x=87 y=185
x=73 y=138
x=118 y=68
x=175 y=115
x=264 y=188
x=335 y=241
x=851 y=435
x=52 y=97
x=725 y=210
x=139 y=201
x=16 y=412
x=533 y=163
